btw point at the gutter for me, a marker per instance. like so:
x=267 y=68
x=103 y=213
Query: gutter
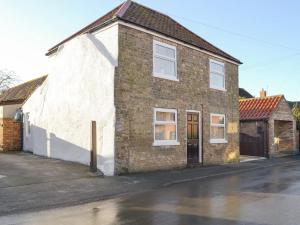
x=118 y=18
x=187 y=43
x=108 y=22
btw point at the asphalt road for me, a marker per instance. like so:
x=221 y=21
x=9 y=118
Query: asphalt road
x=268 y=196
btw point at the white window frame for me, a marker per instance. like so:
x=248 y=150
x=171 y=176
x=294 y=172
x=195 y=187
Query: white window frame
x=214 y=140
x=27 y=124
x=165 y=142
x=156 y=55
x=223 y=74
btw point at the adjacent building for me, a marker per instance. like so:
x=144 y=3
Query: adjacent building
x=162 y=97
x=11 y=101
x=244 y=94
x=267 y=126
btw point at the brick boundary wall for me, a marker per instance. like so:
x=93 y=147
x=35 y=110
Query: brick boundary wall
x=10 y=135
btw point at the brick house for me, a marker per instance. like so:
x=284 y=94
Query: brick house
x=267 y=126
x=10 y=101
x=162 y=97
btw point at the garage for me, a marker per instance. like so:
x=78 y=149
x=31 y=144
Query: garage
x=267 y=126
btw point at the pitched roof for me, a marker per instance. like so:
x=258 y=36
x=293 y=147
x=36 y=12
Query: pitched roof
x=244 y=94
x=19 y=93
x=258 y=108
x=134 y=13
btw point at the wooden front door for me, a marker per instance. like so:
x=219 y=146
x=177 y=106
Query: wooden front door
x=192 y=138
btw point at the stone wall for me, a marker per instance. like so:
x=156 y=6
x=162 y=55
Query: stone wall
x=137 y=93
x=10 y=135
x=284 y=115
x=285 y=135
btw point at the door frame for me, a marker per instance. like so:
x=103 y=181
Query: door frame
x=200 y=134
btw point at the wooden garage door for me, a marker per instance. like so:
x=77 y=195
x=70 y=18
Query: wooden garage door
x=254 y=145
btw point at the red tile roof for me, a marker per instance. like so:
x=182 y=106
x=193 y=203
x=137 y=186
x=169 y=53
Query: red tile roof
x=134 y=13
x=258 y=108
x=19 y=93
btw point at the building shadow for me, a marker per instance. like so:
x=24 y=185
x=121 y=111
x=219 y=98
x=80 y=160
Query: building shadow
x=50 y=145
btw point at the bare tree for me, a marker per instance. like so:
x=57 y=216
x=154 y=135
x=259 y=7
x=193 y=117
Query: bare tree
x=7 y=79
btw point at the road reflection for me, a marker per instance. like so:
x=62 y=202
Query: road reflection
x=268 y=196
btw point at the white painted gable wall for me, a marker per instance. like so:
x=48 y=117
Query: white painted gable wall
x=79 y=88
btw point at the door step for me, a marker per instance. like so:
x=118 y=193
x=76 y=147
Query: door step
x=194 y=165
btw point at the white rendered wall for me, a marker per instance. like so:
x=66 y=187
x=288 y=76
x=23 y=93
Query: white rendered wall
x=79 y=89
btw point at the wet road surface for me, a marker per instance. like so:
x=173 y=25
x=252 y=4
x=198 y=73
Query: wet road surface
x=268 y=196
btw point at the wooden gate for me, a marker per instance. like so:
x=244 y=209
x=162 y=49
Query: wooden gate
x=254 y=145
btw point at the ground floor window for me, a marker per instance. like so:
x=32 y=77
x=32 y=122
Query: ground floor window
x=165 y=127
x=217 y=128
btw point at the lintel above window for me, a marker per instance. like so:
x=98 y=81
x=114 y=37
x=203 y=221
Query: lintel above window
x=164 y=61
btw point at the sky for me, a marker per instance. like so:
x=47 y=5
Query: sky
x=264 y=35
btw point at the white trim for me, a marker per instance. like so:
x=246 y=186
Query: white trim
x=27 y=124
x=217 y=73
x=165 y=143
x=94 y=33
x=218 y=141
x=216 y=61
x=200 y=131
x=163 y=37
x=105 y=28
x=174 y=60
x=176 y=41
x=155 y=122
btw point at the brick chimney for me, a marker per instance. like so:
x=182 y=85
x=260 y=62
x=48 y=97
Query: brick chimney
x=262 y=93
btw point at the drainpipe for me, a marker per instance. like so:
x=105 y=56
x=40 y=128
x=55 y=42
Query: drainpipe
x=202 y=135
x=267 y=136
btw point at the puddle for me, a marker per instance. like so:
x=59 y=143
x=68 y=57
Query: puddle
x=2 y=176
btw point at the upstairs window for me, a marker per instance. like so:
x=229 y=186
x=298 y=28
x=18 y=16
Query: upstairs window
x=164 y=61
x=217 y=128
x=217 y=75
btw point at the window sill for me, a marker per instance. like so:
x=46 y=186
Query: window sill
x=165 y=77
x=165 y=143
x=218 y=141
x=218 y=89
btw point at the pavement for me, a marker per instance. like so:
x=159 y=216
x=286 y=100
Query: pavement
x=248 y=158
x=252 y=195
x=30 y=183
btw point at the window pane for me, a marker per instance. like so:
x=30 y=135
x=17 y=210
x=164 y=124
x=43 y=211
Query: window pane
x=165 y=116
x=190 y=131
x=214 y=67
x=165 y=132
x=163 y=66
x=217 y=120
x=217 y=80
x=168 y=52
x=217 y=133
